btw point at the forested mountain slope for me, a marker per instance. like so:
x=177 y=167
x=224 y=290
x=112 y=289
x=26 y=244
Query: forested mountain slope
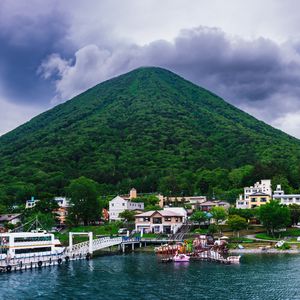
x=150 y=129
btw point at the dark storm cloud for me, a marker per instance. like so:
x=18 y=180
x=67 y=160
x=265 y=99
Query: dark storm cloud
x=25 y=40
x=253 y=72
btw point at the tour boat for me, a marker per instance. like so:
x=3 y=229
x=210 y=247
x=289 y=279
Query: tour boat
x=28 y=244
x=181 y=258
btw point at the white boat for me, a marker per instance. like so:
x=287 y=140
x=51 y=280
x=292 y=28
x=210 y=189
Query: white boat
x=234 y=259
x=28 y=244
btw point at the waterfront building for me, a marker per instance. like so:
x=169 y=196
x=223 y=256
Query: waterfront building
x=119 y=204
x=251 y=197
x=159 y=221
x=286 y=199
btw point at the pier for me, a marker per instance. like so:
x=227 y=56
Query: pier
x=78 y=251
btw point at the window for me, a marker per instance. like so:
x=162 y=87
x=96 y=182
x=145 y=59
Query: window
x=112 y=204
x=146 y=219
x=263 y=200
x=167 y=219
x=157 y=221
x=32 y=250
x=123 y=204
x=253 y=200
x=32 y=239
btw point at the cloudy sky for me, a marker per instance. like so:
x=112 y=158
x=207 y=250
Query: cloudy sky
x=248 y=52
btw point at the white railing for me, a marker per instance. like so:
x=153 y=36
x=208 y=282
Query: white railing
x=98 y=244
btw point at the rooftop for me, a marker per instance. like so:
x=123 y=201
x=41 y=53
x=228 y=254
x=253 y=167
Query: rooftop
x=8 y=217
x=164 y=213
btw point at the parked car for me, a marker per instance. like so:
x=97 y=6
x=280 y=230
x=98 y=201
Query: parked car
x=122 y=231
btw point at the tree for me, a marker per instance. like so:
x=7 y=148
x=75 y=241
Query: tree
x=295 y=213
x=199 y=217
x=2 y=209
x=127 y=215
x=46 y=220
x=45 y=206
x=237 y=223
x=83 y=199
x=244 y=213
x=274 y=216
x=219 y=214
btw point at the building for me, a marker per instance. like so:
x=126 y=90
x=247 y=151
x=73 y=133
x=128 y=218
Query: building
x=132 y=195
x=179 y=210
x=119 y=204
x=159 y=221
x=10 y=219
x=208 y=205
x=194 y=201
x=286 y=199
x=31 y=202
x=263 y=187
x=62 y=211
x=258 y=199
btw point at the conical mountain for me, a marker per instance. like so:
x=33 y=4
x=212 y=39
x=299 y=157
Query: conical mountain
x=150 y=129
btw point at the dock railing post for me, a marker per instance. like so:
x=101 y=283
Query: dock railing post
x=91 y=242
x=70 y=241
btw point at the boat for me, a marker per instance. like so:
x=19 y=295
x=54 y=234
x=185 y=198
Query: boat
x=234 y=259
x=17 y=245
x=181 y=258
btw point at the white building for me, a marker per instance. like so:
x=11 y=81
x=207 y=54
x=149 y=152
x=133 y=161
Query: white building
x=159 y=221
x=286 y=199
x=264 y=186
x=31 y=202
x=119 y=204
x=61 y=201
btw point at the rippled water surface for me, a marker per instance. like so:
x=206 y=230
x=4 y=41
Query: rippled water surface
x=141 y=276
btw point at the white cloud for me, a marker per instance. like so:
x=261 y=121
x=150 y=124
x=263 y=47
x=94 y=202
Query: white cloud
x=289 y=123
x=13 y=115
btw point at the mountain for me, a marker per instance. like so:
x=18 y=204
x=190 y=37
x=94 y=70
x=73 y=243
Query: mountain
x=150 y=129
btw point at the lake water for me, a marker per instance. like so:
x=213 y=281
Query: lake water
x=141 y=276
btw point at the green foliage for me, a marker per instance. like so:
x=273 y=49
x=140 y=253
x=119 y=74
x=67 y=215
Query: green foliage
x=127 y=215
x=213 y=228
x=150 y=202
x=274 y=216
x=295 y=213
x=3 y=209
x=45 y=206
x=152 y=207
x=47 y=220
x=285 y=246
x=218 y=213
x=236 y=223
x=198 y=216
x=83 y=199
x=244 y=213
x=149 y=129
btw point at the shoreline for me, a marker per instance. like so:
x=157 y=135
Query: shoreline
x=261 y=251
